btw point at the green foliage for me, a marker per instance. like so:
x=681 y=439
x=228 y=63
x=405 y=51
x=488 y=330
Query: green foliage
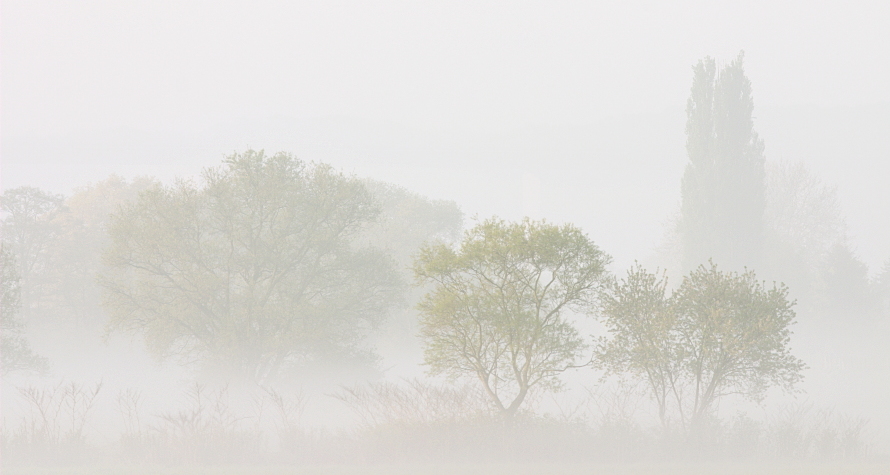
x=408 y=220
x=723 y=196
x=256 y=270
x=497 y=309
x=57 y=243
x=29 y=229
x=640 y=317
x=15 y=352
x=76 y=253
x=719 y=333
x=736 y=333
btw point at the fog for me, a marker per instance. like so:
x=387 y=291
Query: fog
x=140 y=139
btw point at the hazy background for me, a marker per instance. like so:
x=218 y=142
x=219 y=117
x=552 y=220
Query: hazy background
x=578 y=105
x=569 y=111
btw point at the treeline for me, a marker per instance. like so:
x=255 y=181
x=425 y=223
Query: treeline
x=269 y=262
x=267 y=265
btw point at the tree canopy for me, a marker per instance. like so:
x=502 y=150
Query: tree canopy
x=30 y=226
x=15 y=351
x=642 y=323
x=736 y=334
x=497 y=311
x=257 y=268
x=718 y=333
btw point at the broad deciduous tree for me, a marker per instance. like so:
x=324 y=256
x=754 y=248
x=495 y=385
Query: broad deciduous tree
x=256 y=269
x=497 y=310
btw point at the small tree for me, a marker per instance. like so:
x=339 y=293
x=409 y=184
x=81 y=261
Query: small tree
x=638 y=314
x=719 y=333
x=735 y=334
x=497 y=308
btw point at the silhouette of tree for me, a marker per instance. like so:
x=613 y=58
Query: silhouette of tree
x=723 y=196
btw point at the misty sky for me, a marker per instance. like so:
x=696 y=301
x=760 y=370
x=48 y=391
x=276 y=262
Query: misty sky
x=554 y=109
x=569 y=111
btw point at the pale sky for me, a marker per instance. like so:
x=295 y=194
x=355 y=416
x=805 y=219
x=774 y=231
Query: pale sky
x=84 y=66
x=413 y=91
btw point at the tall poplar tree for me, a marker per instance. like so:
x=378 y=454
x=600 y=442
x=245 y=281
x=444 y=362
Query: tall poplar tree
x=723 y=187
